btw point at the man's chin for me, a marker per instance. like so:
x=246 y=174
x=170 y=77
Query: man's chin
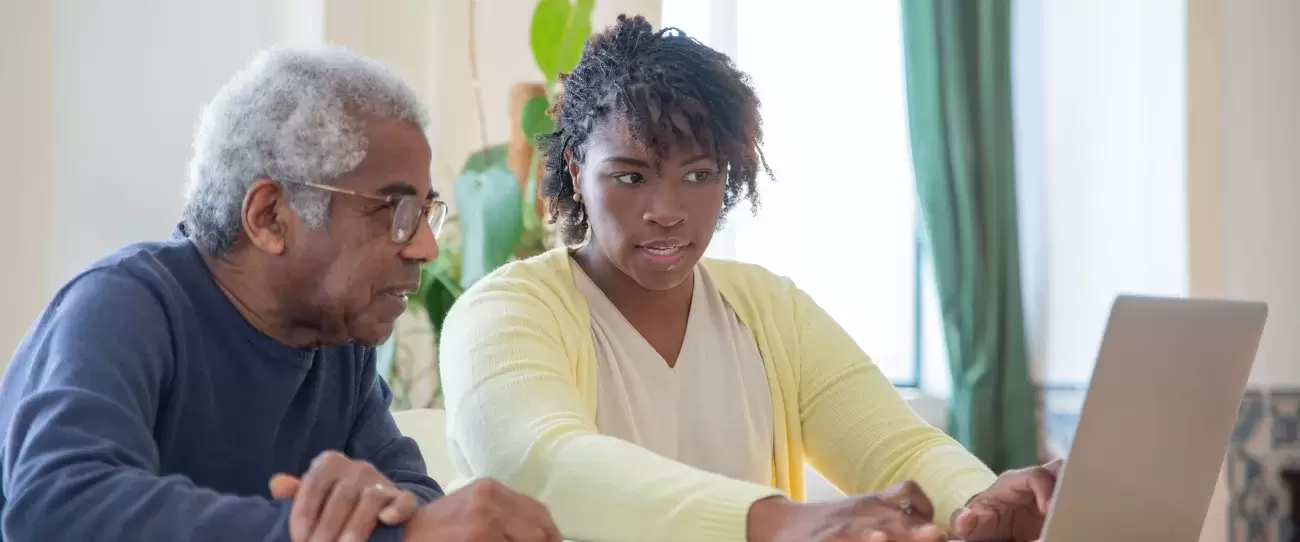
x=374 y=334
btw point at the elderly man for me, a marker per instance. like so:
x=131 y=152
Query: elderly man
x=166 y=385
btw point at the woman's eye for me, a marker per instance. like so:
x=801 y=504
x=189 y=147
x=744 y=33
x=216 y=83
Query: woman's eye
x=699 y=176
x=629 y=178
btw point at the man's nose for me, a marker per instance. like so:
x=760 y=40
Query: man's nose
x=423 y=247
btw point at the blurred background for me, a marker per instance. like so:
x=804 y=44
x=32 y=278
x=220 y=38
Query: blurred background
x=1151 y=148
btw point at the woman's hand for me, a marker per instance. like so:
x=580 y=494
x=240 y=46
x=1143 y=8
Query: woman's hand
x=899 y=514
x=1013 y=508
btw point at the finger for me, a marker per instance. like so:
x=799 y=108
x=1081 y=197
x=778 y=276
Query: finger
x=284 y=486
x=976 y=523
x=1041 y=483
x=400 y=509
x=540 y=516
x=317 y=484
x=550 y=528
x=521 y=530
x=1054 y=467
x=962 y=522
x=342 y=501
x=365 y=515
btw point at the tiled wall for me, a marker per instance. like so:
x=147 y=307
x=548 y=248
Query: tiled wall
x=1059 y=414
x=1265 y=440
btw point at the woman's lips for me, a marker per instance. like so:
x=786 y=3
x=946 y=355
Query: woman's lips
x=663 y=255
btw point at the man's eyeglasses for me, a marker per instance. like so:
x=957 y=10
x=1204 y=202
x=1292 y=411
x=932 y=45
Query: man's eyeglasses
x=408 y=211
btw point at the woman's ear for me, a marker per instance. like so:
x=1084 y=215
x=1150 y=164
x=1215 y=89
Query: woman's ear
x=575 y=170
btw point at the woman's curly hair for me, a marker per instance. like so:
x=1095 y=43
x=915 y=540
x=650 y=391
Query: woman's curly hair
x=647 y=76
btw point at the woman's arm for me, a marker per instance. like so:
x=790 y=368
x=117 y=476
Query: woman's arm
x=515 y=413
x=861 y=434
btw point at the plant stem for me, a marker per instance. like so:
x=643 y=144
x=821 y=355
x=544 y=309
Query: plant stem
x=473 y=71
x=530 y=190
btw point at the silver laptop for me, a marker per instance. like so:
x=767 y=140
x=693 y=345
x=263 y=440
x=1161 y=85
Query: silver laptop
x=1156 y=420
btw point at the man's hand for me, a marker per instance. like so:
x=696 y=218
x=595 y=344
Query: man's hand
x=484 y=511
x=341 y=499
x=899 y=514
x=1013 y=508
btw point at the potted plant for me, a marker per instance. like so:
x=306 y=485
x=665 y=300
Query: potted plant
x=499 y=217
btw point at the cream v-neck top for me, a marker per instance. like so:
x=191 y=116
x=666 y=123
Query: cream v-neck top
x=712 y=410
x=521 y=377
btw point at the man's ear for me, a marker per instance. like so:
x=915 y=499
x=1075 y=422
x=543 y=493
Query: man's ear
x=265 y=216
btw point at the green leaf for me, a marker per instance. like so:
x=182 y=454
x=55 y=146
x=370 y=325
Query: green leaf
x=558 y=33
x=531 y=220
x=534 y=121
x=439 y=287
x=550 y=20
x=490 y=220
x=439 y=297
x=384 y=353
x=486 y=158
x=575 y=40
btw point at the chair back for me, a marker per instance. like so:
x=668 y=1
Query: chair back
x=428 y=426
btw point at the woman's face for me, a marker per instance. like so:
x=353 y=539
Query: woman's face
x=651 y=216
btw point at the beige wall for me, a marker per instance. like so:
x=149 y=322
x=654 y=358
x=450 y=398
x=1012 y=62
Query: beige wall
x=504 y=58
x=26 y=84
x=428 y=43
x=99 y=102
x=1244 y=176
x=1188 y=177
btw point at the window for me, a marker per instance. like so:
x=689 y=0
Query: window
x=841 y=217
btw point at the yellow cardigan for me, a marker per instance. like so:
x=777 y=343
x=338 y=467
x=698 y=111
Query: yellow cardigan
x=519 y=377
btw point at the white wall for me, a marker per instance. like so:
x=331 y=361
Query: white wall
x=101 y=96
x=1099 y=94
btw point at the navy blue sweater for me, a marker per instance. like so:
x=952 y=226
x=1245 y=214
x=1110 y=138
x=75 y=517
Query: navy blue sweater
x=142 y=406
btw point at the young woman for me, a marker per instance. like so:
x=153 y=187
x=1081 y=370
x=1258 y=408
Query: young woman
x=643 y=392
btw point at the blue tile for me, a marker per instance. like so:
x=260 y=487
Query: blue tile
x=1060 y=428
x=1060 y=407
x=1256 y=505
x=1249 y=417
x=1284 y=406
x=1285 y=460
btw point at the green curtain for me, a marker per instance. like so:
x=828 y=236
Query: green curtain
x=958 y=69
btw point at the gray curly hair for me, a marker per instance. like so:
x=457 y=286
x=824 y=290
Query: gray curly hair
x=290 y=116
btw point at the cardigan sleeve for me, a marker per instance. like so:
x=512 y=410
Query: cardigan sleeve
x=861 y=434
x=516 y=414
